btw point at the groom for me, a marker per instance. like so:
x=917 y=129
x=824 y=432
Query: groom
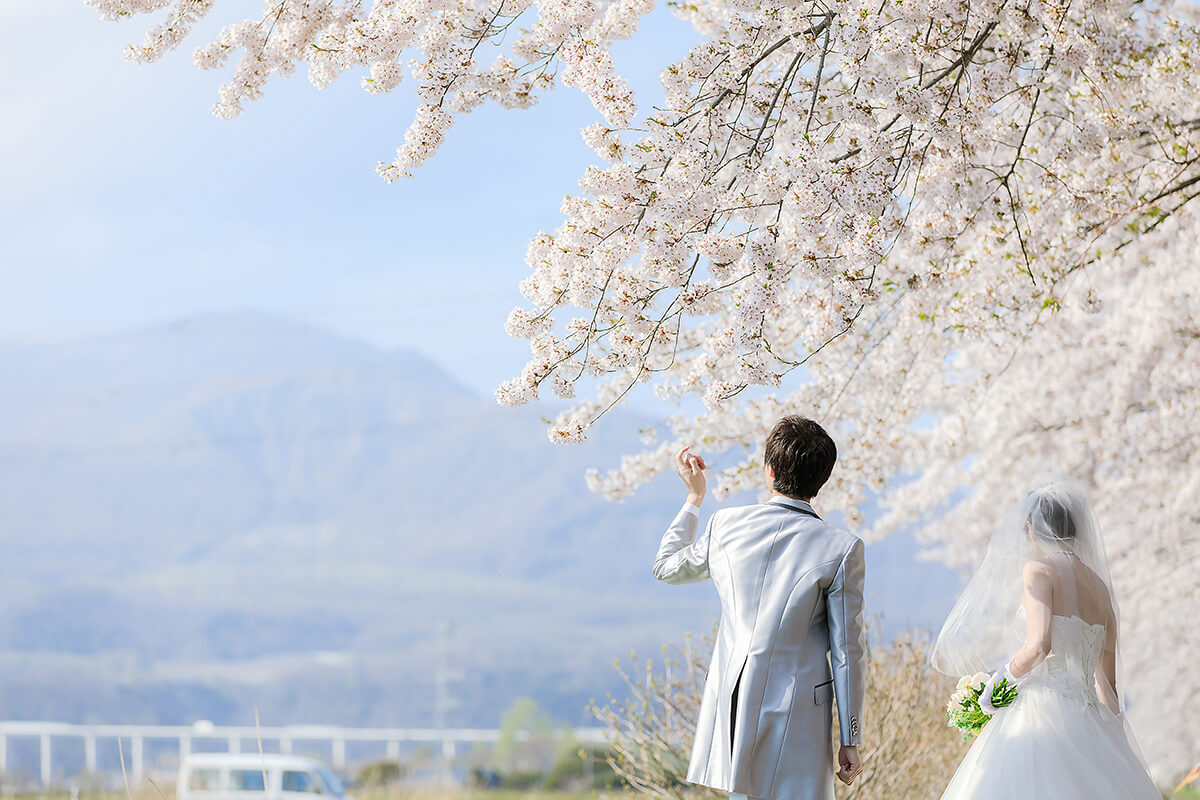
x=791 y=634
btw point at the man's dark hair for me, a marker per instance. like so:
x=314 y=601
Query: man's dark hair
x=801 y=454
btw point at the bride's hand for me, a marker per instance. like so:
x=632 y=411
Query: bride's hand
x=985 y=697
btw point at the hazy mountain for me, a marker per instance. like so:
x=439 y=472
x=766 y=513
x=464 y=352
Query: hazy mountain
x=238 y=511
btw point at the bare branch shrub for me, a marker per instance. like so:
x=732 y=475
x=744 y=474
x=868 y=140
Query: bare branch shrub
x=909 y=752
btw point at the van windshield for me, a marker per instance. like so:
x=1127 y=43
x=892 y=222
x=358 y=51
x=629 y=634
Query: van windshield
x=332 y=782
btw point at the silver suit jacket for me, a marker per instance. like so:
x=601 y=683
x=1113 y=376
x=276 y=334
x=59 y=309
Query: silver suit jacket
x=790 y=639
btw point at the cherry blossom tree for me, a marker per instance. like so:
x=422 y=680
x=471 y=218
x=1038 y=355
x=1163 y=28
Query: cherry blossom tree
x=957 y=232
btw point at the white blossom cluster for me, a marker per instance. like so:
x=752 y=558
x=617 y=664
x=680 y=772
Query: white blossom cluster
x=436 y=41
x=1107 y=389
x=956 y=232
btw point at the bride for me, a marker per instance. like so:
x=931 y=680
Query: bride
x=1041 y=613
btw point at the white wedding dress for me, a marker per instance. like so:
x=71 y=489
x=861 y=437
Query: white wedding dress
x=1057 y=741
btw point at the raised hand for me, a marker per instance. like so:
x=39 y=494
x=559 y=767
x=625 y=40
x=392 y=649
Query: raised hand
x=691 y=471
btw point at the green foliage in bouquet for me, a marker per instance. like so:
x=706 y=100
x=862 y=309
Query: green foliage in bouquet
x=963 y=711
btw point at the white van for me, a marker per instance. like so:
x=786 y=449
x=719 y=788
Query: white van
x=240 y=776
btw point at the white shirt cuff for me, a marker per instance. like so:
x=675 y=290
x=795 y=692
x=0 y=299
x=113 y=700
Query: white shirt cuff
x=694 y=510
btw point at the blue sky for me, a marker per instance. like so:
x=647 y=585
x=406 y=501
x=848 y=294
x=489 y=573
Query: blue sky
x=127 y=203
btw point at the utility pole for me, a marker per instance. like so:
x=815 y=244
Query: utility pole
x=445 y=675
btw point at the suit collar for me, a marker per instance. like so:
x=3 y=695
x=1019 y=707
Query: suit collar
x=790 y=501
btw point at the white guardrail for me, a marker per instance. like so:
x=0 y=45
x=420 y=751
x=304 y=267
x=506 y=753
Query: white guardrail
x=283 y=739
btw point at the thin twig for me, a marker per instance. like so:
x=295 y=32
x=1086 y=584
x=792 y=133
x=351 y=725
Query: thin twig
x=124 y=774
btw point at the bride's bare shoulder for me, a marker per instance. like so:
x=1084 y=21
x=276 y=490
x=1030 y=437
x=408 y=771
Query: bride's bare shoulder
x=1038 y=572
x=1039 y=566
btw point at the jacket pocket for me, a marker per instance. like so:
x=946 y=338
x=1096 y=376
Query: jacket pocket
x=823 y=693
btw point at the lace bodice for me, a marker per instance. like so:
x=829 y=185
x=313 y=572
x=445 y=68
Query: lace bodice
x=1070 y=668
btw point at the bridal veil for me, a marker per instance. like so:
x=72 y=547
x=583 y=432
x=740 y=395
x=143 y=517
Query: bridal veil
x=1053 y=530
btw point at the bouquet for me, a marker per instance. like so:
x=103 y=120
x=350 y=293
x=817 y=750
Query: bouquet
x=963 y=711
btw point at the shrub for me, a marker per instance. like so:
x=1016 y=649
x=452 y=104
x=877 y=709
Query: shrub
x=522 y=780
x=908 y=750
x=579 y=768
x=380 y=773
x=651 y=732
